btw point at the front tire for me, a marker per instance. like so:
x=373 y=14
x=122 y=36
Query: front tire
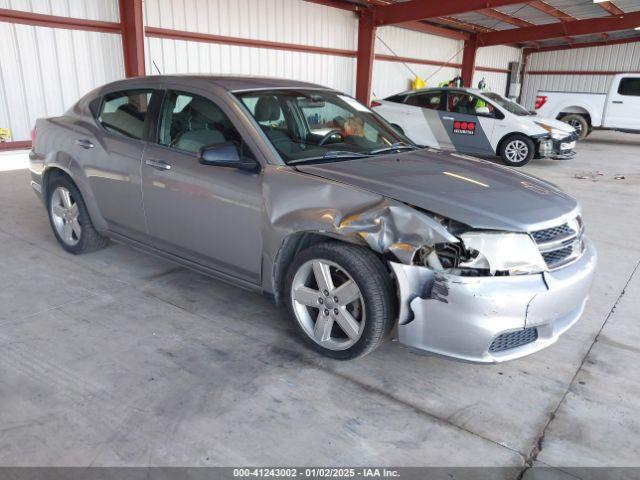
x=517 y=150
x=69 y=218
x=341 y=299
x=579 y=123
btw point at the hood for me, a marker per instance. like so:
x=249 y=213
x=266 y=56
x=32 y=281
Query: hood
x=556 y=124
x=475 y=192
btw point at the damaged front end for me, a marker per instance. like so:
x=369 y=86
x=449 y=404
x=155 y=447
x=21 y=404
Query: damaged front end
x=476 y=295
x=490 y=296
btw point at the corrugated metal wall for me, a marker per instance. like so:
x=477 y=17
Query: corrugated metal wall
x=394 y=77
x=289 y=21
x=495 y=57
x=612 y=58
x=106 y=10
x=43 y=71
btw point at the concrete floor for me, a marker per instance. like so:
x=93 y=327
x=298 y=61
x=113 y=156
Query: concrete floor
x=118 y=358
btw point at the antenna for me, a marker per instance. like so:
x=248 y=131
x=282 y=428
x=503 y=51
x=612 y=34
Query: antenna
x=156 y=65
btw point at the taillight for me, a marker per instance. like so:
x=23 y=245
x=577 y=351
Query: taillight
x=375 y=104
x=33 y=136
x=540 y=101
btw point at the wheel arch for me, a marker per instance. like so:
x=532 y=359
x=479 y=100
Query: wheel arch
x=511 y=134
x=576 y=110
x=63 y=165
x=293 y=244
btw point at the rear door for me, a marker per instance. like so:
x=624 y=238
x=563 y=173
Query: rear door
x=469 y=122
x=623 y=105
x=423 y=124
x=110 y=149
x=210 y=215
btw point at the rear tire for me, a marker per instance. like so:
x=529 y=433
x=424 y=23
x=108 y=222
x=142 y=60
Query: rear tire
x=578 y=122
x=69 y=218
x=349 y=315
x=517 y=150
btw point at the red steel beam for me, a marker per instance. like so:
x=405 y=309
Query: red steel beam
x=611 y=8
x=573 y=46
x=549 y=10
x=469 y=61
x=422 y=9
x=366 y=56
x=132 y=37
x=562 y=29
x=53 y=21
x=461 y=24
x=503 y=17
x=337 y=4
x=18 y=145
x=243 y=42
x=580 y=72
x=434 y=30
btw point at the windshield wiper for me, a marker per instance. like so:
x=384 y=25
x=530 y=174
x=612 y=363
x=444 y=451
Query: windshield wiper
x=393 y=147
x=331 y=155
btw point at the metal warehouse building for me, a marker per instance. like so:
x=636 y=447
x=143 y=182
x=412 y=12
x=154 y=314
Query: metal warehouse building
x=320 y=239
x=55 y=51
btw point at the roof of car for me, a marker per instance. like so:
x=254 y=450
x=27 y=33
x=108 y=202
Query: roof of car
x=431 y=89
x=228 y=82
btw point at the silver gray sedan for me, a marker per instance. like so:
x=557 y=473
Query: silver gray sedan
x=304 y=194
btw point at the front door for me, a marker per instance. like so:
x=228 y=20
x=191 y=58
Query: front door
x=623 y=105
x=111 y=151
x=210 y=215
x=469 y=122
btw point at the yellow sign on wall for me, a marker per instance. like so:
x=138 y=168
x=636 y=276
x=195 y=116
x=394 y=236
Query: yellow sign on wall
x=5 y=135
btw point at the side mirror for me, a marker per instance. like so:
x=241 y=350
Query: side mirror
x=226 y=155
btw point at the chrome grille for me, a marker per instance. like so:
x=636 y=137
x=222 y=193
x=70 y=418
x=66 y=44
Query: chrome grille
x=561 y=244
x=554 y=233
x=515 y=339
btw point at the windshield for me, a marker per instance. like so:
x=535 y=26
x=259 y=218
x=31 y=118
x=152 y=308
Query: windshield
x=312 y=125
x=508 y=105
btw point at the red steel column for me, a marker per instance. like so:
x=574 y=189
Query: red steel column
x=469 y=60
x=132 y=29
x=366 y=55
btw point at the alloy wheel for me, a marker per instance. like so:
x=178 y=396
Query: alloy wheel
x=516 y=151
x=64 y=216
x=328 y=304
x=576 y=124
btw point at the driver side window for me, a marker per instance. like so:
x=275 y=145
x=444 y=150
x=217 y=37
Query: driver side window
x=189 y=122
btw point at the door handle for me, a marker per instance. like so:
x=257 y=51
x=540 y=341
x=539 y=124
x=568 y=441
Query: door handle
x=448 y=118
x=158 y=164
x=617 y=101
x=84 y=143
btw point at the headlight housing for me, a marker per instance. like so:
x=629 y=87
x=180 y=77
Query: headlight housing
x=482 y=253
x=555 y=133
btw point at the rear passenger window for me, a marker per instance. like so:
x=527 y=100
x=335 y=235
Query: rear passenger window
x=190 y=122
x=425 y=100
x=125 y=113
x=629 y=86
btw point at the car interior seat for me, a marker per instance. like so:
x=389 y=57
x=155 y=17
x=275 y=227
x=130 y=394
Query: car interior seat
x=203 y=125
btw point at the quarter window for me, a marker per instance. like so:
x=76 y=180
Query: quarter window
x=629 y=86
x=190 y=122
x=125 y=113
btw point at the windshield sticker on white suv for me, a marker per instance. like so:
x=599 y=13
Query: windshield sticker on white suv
x=464 y=128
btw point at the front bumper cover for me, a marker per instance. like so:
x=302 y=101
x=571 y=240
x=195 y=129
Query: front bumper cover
x=461 y=316
x=558 y=149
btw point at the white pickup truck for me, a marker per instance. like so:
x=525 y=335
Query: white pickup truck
x=619 y=109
